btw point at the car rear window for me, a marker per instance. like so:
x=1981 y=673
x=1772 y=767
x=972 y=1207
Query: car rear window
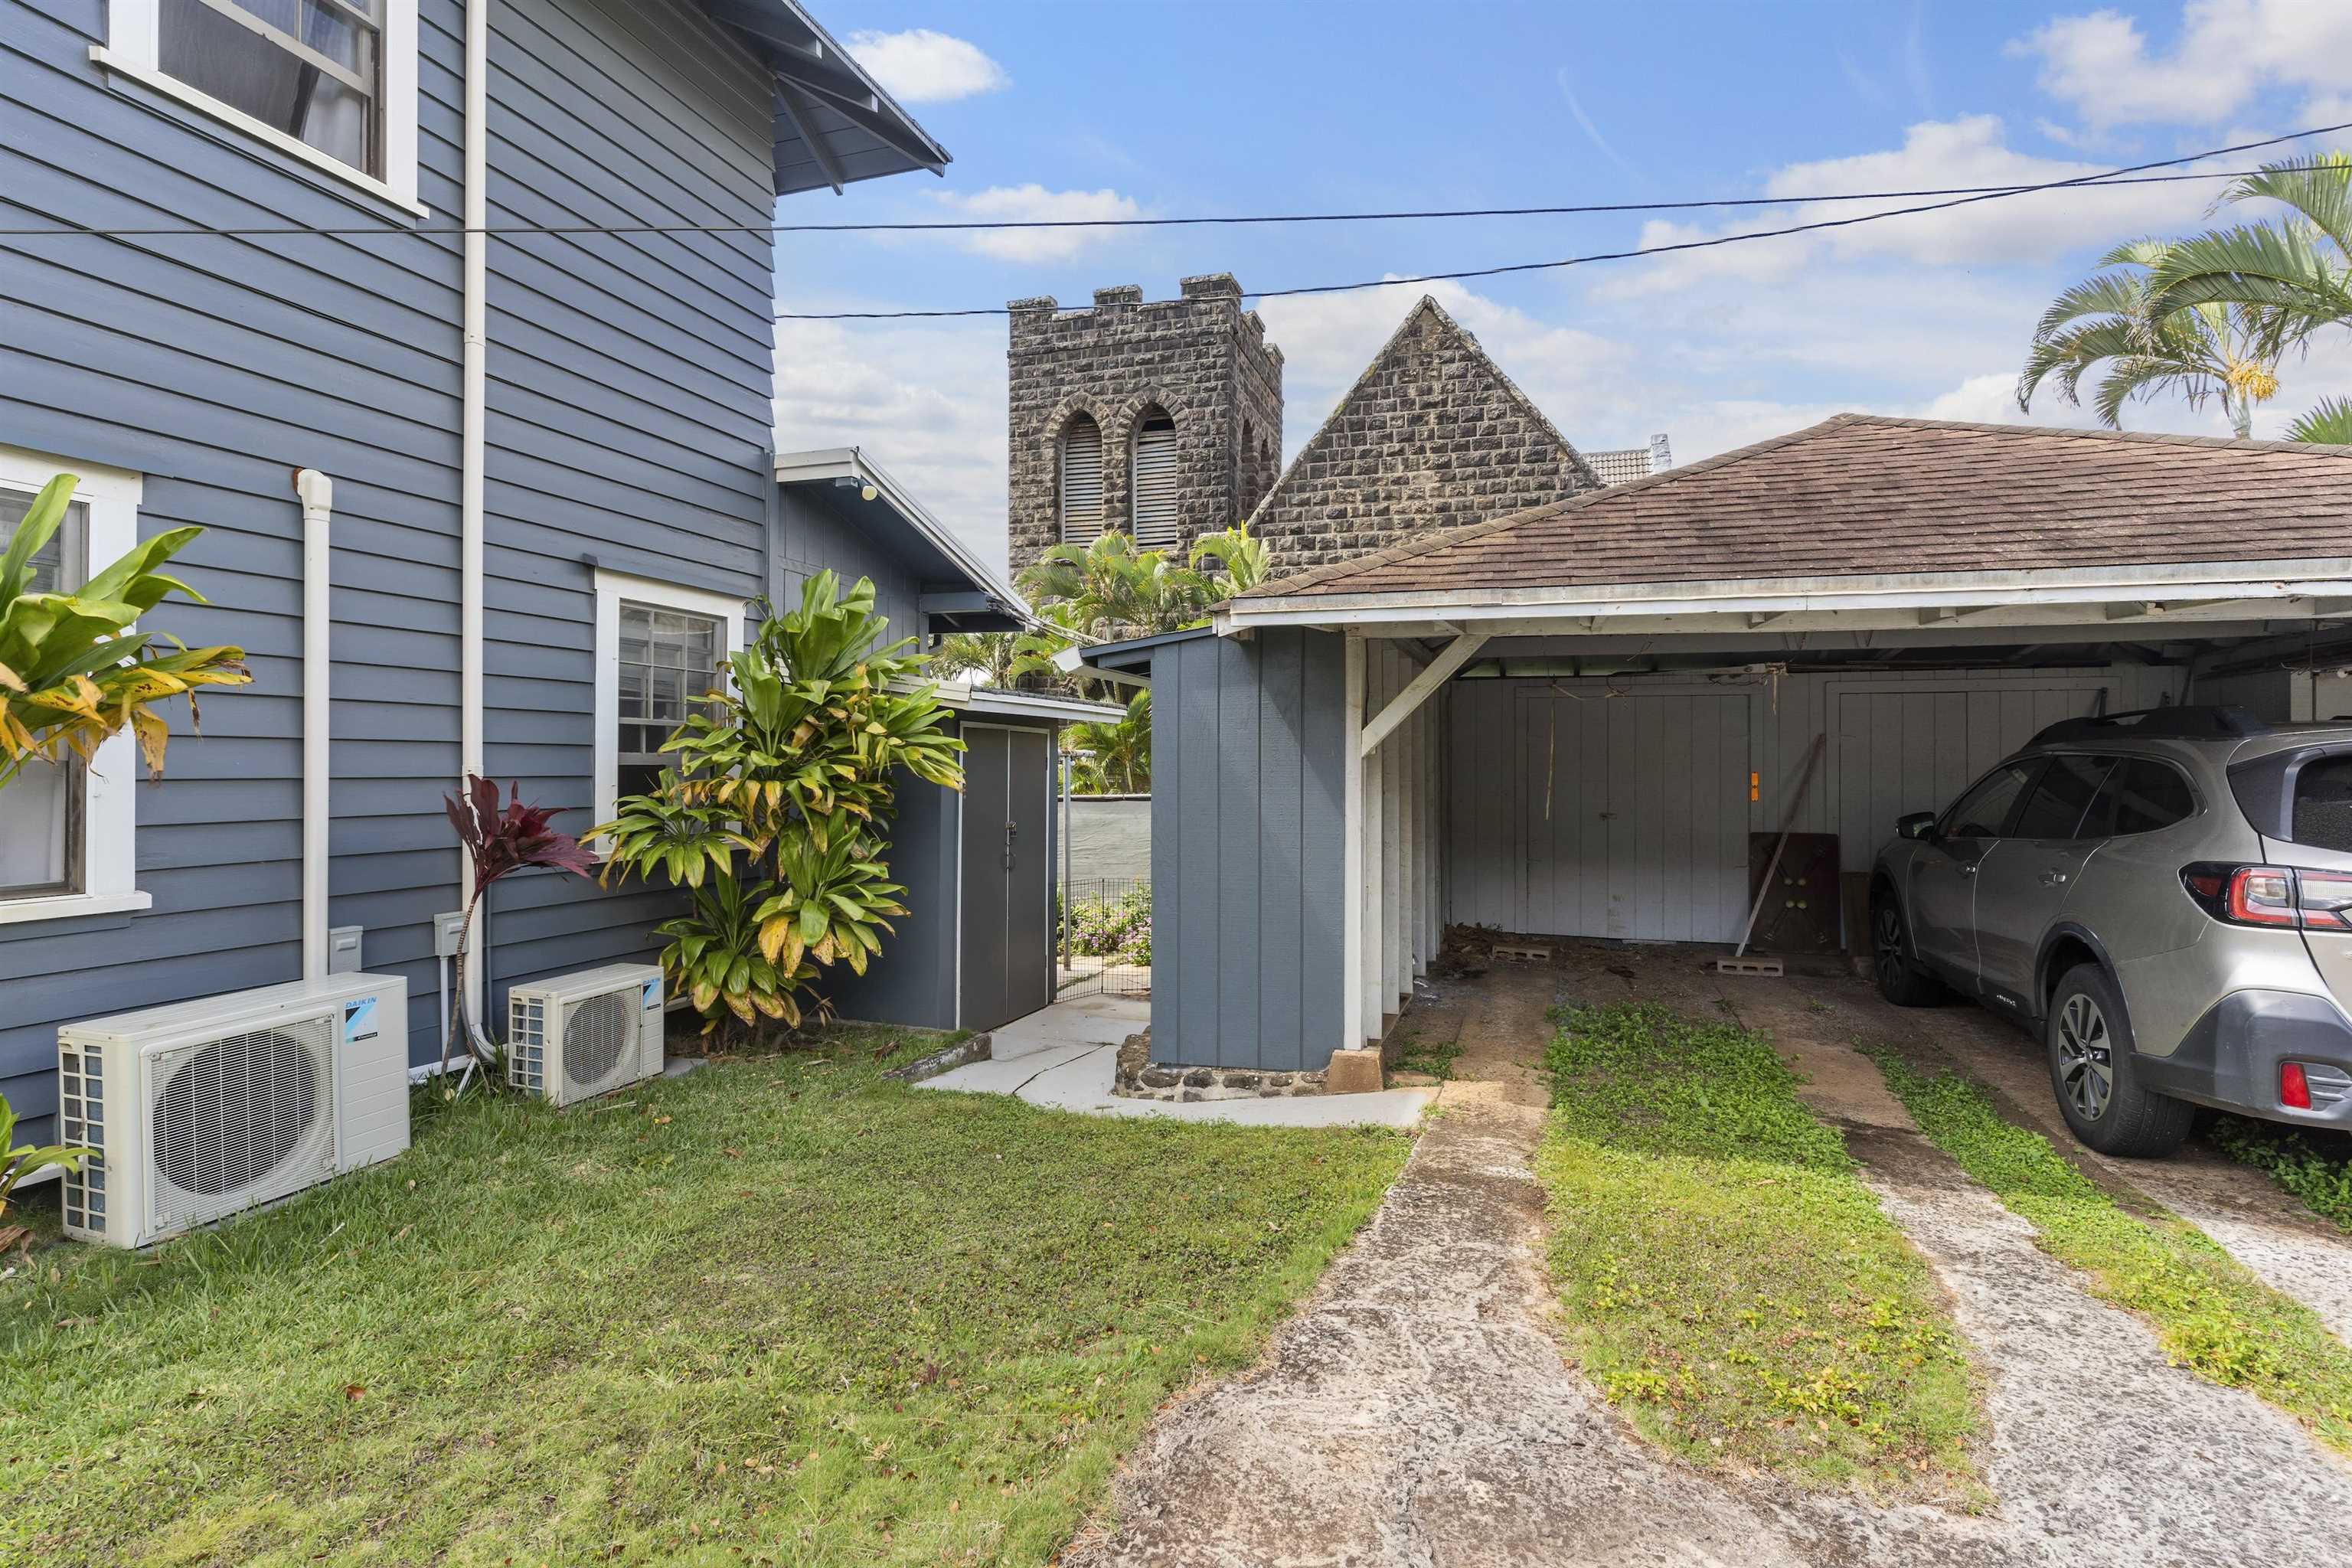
x=2323 y=804
x=2139 y=796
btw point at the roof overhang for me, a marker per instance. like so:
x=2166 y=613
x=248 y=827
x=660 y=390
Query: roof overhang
x=2127 y=596
x=1129 y=663
x=833 y=124
x=1009 y=702
x=975 y=598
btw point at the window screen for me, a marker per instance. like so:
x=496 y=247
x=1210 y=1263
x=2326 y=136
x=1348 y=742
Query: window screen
x=669 y=659
x=2323 y=804
x=40 y=830
x=1984 y=810
x=2139 y=796
x=311 y=69
x=2055 y=807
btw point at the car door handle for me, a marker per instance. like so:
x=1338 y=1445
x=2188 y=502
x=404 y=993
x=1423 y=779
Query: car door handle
x=2051 y=879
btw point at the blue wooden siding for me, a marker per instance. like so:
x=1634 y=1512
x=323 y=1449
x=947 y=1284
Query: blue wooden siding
x=627 y=425
x=815 y=532
x=1248 y=773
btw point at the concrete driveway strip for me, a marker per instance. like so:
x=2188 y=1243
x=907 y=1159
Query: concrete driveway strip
x=1416 y=1412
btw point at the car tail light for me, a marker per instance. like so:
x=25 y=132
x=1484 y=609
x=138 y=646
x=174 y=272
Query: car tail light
x=2272 y=896
x=2295 y=1086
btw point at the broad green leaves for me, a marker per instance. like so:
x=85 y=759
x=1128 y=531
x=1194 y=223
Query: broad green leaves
x=773 y=818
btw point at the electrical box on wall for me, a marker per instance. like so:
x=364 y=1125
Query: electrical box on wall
x=343 y=949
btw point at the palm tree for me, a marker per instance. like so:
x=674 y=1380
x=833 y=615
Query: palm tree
x=2328 y=422
x=2294 y=272
x=1114 y=757
x=2212 y=349
x=1108 y=589
x=1241 y=560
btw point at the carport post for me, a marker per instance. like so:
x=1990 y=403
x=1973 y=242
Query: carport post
x=1351 y=835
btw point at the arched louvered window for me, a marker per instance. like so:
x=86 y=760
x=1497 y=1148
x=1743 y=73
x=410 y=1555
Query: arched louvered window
x=1082 y=481
x=1155 y=481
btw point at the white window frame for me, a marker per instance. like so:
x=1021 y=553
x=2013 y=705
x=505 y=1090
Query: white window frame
x=611 y=588
x=109 y=804
x=133 y=48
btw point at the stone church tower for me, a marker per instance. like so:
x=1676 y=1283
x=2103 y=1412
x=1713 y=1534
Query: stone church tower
x=1160 y=420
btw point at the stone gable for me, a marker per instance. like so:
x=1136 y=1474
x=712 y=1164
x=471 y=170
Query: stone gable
x=1431 y=436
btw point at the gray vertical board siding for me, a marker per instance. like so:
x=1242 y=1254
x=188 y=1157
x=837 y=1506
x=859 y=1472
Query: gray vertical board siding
x=812 y=536
x=1672 y=865
x=913 y=982
x=628 y=410
x=1248 y=793
x=628 y=417
x=214 y=366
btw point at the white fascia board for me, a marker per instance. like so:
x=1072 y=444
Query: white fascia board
x=967 y=699
x=2217 y=586
x=852 y=463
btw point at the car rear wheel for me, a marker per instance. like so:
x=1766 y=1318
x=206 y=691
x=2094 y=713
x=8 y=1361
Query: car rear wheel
x=1900 y=979
x=2091 y=1072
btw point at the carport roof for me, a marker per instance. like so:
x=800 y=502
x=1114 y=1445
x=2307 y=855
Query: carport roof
x=1861 y=495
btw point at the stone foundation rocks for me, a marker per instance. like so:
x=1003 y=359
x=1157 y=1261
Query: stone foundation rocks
x=1140 y=1078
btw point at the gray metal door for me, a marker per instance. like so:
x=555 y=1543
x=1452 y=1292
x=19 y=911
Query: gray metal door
x=1636 y=815
x=1007 y=956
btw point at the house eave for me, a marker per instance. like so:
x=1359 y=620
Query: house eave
x=2306 y=587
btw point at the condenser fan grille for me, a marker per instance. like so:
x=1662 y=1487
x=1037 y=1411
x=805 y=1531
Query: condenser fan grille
x=231 y=1112
x=596 y=1033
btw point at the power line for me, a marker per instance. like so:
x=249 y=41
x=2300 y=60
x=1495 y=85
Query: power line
x=2112 y=177
x=960 y=226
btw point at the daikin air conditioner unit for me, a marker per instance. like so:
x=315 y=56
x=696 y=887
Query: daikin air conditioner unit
x=201 y=1108
x=580 y=1035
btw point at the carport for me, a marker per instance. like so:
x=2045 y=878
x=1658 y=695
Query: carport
x=1573 y=721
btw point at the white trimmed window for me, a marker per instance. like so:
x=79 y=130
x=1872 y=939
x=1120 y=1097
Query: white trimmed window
x=331 y=82
x=660 y=647
x=66 y=828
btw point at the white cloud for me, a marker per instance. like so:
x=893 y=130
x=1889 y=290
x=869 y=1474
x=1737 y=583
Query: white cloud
x=1031 y=203
x=926 y=399
x=2228 y=52
x=924 y=66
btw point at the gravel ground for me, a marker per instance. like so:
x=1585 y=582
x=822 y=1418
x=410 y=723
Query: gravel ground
x=1417 y=1411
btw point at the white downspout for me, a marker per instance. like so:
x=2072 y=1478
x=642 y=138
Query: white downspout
x=317 y=493
x=476 y=344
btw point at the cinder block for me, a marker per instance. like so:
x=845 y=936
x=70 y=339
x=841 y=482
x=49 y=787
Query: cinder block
x=1353 y=1072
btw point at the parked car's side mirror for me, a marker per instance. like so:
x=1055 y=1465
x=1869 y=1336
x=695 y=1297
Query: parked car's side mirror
x=1915 y=824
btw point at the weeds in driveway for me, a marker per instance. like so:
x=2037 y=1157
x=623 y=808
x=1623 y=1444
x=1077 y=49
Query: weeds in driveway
x=776 y=1312
x=1729 y=1281
x=2209 y=1312
x=2315 y=1166
x=1436 y=1057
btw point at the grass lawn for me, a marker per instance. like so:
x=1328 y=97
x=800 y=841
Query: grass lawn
x=779 y=1311
x=1729 y=1281
x=2210 y=1313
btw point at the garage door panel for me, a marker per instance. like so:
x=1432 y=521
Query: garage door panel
x=1647 y=833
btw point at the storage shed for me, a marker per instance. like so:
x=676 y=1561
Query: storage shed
x=1573 y=721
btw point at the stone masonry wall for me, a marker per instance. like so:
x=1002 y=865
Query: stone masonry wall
x=1434 y=436
x=1138 y=1077
x=1200 y=357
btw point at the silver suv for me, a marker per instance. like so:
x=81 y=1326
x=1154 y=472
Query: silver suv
x=2165 y=897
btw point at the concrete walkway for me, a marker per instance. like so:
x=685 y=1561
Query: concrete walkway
x=1066 y=1056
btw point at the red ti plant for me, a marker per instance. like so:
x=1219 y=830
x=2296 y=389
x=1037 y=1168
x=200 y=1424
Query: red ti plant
x=497 y=843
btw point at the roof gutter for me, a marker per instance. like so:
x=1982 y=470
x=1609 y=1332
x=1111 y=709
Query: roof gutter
x=1924 y=597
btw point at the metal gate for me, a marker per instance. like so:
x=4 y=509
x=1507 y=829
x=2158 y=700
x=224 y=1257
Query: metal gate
x=1103 y=937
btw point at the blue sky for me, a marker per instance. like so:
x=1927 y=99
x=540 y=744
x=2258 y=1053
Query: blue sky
x=1074 y=109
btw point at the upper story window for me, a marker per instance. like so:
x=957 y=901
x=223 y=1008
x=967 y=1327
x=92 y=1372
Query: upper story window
x=67 y=828
x=1081 y=481
x=333 y=82
x=311 y=69
x=1155 y=481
